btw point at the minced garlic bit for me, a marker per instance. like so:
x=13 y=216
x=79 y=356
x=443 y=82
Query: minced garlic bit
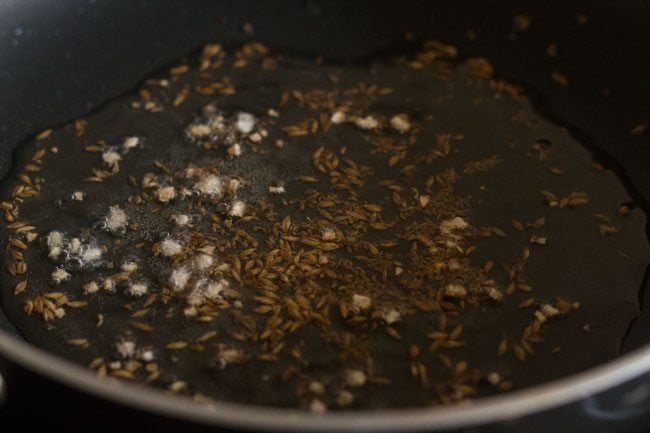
x=400 y=123
x=90 y=253
x=109 y=285
x=77 y=196
x=273 y=113
x=181 y=220
x=60 y=274
x=276 y=190
x=170 y=247
x=90 y=288
x=355 y=378
x=209 y=185
x=75 y=245
x=165 y=194
x=130 y=143
x=455 y=290
x=368 y=122
x=116 y=219
x=54 y=243
x=493 y=378
x=391 y=317
x=111 y=158
x=205 y=290
x=235 y=150
x=255 y=137
x=149 y=180
x=214 y=289
x=234 y=185
x=447 y=227
x=361 y=302
x=237 y=209
x=328 y=234
x=245 y=123
x=137 y=289
x=129 y=267
x=125 y=348
x=199 y=130
x=179 y=278
x=203 y=261
x=146 y=355
x=338 y=117
x=317 y=407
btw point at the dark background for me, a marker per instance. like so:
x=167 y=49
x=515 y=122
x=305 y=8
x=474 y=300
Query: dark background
x=60 y=59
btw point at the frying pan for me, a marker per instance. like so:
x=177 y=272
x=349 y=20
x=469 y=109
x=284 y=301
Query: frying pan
x=63 y=59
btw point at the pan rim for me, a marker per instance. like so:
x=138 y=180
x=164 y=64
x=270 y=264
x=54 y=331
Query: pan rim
x=487 y=410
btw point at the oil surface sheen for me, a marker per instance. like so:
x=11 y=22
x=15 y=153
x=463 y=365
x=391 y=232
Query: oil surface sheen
x=274 y=230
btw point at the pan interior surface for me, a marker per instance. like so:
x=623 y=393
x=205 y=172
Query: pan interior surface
x=408 y=231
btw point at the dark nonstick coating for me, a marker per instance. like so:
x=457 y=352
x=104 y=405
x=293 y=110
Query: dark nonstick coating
x=123 y=42
x=579 y=264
